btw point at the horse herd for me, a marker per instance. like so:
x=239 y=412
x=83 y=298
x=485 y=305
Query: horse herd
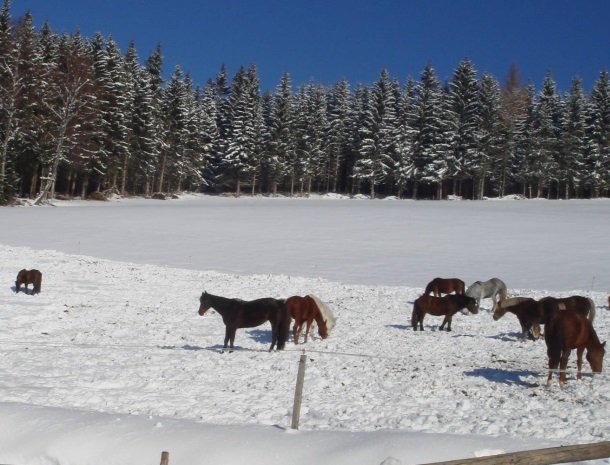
x=568 y=322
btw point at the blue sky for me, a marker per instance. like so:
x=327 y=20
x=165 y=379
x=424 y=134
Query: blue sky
x=327 y=40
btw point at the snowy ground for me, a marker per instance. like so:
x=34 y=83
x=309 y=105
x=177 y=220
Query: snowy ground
x=112 y=364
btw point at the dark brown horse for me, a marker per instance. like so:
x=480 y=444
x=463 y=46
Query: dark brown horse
x=304 y=310
x=237 y=313
x=531 y=313
x=448 y=306
x=29 y=277
x=565 y=331
x=440 y=286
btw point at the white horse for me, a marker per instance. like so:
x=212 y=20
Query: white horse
x=493 y=288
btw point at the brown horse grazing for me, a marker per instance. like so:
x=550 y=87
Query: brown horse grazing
x=532 y=313
x=29 y=277
x=448 y=306
x=570 y=330
x=440 y=286
x=304 y=310
x=237 y=313
x=528 y=312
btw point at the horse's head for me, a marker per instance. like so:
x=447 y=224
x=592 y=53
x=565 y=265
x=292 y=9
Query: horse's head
x=204 y=303
x=472 y=305
x=499 y=312
x=595 y=357
x=323 y=329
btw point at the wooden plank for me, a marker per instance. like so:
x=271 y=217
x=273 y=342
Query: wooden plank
x=164 y=458
x=549 y=456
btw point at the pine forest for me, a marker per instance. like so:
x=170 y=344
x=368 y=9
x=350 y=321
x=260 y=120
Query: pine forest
x=79 y=118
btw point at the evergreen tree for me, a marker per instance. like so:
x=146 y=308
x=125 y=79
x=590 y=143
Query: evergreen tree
x=547 y=129
x=11 y=86
x=338 y=137
x=243 y=130
x=463 y=117
x=573 y=142
x=404 y=166
x=598 y=160
x=427 y=127
x=281 y=133
x=489 y=137
x=378 y=136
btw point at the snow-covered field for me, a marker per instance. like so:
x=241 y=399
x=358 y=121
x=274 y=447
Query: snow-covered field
x=112 y=364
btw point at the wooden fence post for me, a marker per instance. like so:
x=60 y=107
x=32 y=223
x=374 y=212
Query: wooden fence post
x=551 y=455
x=164 y=458
x=298 y=393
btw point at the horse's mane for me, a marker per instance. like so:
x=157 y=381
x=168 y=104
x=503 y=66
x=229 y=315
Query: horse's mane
x=514 y=301
x=326 y=312
x=591 y=315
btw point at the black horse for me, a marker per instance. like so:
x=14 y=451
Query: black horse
x=237 y=313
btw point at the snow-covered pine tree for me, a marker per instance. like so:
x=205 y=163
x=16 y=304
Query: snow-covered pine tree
x=281 y=133
x=524 y=144
x=598 y=160
x=547 y=130
x=310 y=129
x=378 y=136
x=571 y=160
x=404 y=166
x=142 y=146
x=174 y=114
x=338 y=134
x=463 y=120
x=515 y=98
x=11 y=86
x=489 y=137
x=154 y=68
x=427 y=126
x=116 y=114
x=243 y=132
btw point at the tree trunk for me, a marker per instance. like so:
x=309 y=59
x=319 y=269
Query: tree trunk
x=162 y=174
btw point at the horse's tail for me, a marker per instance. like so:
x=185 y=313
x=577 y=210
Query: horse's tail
x=591 y=315
x=283 y=325
x=429 y=288
x=414 y=317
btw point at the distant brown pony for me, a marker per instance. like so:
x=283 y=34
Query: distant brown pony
x=304 y=310
x=26 y=277
x=565 y=331
x=531 y=312
x=237 y=313
x=440 y=286
x=448 y=306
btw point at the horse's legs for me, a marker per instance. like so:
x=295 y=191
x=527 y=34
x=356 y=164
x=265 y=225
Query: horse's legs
x=274 y=335
x=563 y=365
x=308 y=327
x=227 y=336
x=446 y=320
x=230 y=337
x=579 y=352
x=296 y=331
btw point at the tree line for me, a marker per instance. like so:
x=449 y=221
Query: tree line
x=78 y=117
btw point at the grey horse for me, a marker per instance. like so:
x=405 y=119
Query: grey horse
x=493 y=288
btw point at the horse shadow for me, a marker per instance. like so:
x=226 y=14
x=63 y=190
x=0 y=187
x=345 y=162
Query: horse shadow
x=509 y=337
x=503 y=376
x=219 y=348
x=401 y=327
x=260 y=335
